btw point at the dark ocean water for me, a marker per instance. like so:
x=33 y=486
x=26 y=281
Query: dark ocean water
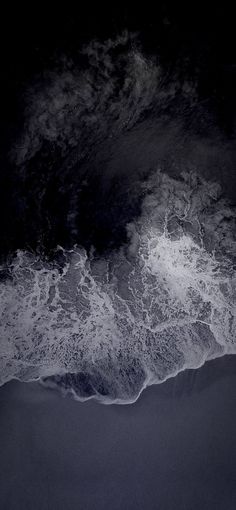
x=119 y=247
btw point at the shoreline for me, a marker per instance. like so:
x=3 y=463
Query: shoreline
x=71 y=395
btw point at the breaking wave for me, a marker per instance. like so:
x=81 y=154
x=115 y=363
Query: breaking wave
x=107 y=327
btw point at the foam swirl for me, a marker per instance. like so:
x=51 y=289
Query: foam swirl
x=108 y=327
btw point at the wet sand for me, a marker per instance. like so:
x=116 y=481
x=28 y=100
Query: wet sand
x=174 y=449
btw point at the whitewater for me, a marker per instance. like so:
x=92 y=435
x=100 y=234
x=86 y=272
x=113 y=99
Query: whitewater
x=106 y=327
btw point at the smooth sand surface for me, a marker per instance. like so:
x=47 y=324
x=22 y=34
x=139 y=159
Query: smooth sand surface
x=174 y=449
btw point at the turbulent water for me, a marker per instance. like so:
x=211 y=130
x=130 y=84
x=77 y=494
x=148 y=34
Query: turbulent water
x=108 y=325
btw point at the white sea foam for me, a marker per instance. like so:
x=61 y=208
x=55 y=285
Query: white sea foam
x=109 y=327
